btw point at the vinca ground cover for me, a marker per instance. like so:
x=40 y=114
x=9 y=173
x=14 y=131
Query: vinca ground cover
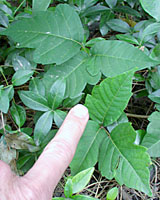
x=104 y=54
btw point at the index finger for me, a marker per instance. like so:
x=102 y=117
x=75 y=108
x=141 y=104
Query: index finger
x=59 y=152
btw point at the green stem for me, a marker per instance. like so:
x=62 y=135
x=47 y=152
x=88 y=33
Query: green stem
x=19 y=7
x=4 y=77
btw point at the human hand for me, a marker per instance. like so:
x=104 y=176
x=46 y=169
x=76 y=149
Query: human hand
x=41 y=180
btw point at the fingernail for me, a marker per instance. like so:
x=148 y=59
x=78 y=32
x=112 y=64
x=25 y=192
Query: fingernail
x=80 y=111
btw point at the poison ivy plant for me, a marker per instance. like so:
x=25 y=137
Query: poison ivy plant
x=113 y=150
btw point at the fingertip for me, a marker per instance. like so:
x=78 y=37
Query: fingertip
x=80 y=111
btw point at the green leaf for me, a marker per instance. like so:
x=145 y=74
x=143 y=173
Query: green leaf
x=80 y=180
x=152 y=8
x=109 y=99
x=83 y=197
x=151 y=30
x=155 y=96
x=4 y=20
x=36 y=85
x=70 y=102
x=112 y=194
x=127 y=10
x=42 y=127
x=56 y=93
x=115 y=57
x=127 y=38
x=111 y=3
x=125 y=161
x=68 y=189
x=33 y=100
x=152 y=139
x=20 y=62
x=74 y=73
x=119 y=25
x=21 y=76
x=4 y=100
x=40 y=5
x=87 y=155
x=56 y=36
x=18 y=114
x=59 y=117
x=155 y=54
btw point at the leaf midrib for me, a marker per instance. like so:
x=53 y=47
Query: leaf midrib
x=132 y=167
x=49 y=34
x=85 y=155
x=111 y=102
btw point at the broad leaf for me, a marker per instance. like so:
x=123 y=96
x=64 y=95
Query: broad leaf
x=87 y=155
x=74 y=73
x=119 y=25
x=18 y=114
x=56 y=36
x=152 y=8
x=127 y=38
x=151 y=30
x=4 y=20
x=155 y=96
x=40 y=5
x=59 y=117
x=115 y=57
x=80 y=180
x=125 y=161
x=20 y=62
x=68 y=189
x=112 y=194
x=42 y=127
x=109 y=99
x=36 y=85
x=33 y=100
x=56 y=93
x=21 y=77
x=152 y=139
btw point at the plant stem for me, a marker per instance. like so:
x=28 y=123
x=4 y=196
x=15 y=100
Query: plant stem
x=137 y=116
x=4 y=77
x=3 y=125
x=19 y=7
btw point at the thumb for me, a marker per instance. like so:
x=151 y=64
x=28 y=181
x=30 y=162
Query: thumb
x=58 y=154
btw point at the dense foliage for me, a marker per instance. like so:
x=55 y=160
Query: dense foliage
x=51 y=61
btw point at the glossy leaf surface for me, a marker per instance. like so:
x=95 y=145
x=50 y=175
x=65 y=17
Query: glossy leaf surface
x=34 y=101
x=18 y=114
x=42 y=127
x=21 y=77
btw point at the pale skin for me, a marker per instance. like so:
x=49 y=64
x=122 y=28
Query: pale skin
x=41 y=180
